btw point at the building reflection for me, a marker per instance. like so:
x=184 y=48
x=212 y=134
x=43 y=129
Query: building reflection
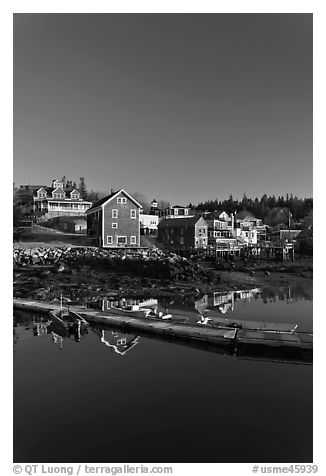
x=118 y=342
x=225 y=301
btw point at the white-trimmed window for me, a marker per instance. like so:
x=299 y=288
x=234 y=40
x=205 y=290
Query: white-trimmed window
x=114 y=225
x=74 y=196
x=114 y=213
x=133 y=213
x=121 y=200
x=133 y=240
x=109 y=240
x=122 y=341
x=121 y=240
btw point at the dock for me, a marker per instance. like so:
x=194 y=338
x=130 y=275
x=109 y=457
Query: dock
x=170 y=329
x=235 y=338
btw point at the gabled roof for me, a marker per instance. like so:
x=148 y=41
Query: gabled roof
x=178 y=222
x=48 y=190
x=56 y=189
x=109 y=198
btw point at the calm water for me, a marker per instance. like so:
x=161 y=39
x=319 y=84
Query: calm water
x=114 y=397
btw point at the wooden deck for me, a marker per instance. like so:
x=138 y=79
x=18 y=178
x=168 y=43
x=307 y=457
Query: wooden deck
x=236 y=338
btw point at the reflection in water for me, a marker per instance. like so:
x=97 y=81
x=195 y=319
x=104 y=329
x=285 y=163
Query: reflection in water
x=120 y=343
x=224 y=302
x=119 y=395
x=117 y=342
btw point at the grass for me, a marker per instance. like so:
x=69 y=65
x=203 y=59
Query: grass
x=41 y=239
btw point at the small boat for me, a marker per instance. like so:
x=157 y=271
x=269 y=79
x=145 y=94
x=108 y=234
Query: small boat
x=249 y=325
x=67 y=319
x=133 y=311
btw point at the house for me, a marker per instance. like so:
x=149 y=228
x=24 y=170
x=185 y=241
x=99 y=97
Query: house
x=113 y=221
x=183 y=233
x=249 y=228
x=58 y=201
x=280 y=234
x=155 y=210
x=176 y=211
x=148 y=224
x=221 y=232
x=246 y=235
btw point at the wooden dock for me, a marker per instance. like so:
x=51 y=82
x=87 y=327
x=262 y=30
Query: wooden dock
x=226 y=336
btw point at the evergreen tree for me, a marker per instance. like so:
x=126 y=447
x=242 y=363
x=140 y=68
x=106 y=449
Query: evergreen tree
x=82 y=188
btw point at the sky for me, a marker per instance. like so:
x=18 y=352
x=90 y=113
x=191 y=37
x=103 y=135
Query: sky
x=181 y=107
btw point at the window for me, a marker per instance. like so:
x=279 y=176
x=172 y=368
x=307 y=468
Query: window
x=133 y=240
x=182 y=241
x=114 y=213
x=109 y=240
x=74 y=196
x=114 y=225
x=121 y=200
x=121 y=240
x=122 y=341
x=133 y=214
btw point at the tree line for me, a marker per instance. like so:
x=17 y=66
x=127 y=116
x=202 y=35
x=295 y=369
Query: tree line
x=267 y=208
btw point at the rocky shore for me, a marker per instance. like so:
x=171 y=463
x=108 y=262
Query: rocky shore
x=83 y=274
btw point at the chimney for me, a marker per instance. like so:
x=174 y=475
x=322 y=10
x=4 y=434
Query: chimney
x=112 y=190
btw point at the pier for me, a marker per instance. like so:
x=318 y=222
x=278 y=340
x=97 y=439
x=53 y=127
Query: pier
x=222 y=336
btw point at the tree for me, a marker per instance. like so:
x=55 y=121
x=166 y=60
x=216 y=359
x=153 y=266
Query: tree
x=82 y=188
x=163 y=204
x=142 y=200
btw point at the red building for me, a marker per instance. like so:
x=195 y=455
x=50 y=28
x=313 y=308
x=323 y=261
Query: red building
x=183 y=233
x=113 y=221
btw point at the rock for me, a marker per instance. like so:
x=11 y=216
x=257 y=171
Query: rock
x=60 y=268
x=46 y=272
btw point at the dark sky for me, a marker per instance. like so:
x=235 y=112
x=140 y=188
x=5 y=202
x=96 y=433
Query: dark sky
x=184 y=107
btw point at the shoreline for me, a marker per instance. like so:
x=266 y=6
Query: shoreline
x=81 y=279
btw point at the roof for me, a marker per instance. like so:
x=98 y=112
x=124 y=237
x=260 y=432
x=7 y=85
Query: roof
x=178 y=222
x=244 y=214
x=214 y=215
x=108 y=198
x=49 y=190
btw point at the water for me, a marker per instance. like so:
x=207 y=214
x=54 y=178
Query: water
x=124 y=398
